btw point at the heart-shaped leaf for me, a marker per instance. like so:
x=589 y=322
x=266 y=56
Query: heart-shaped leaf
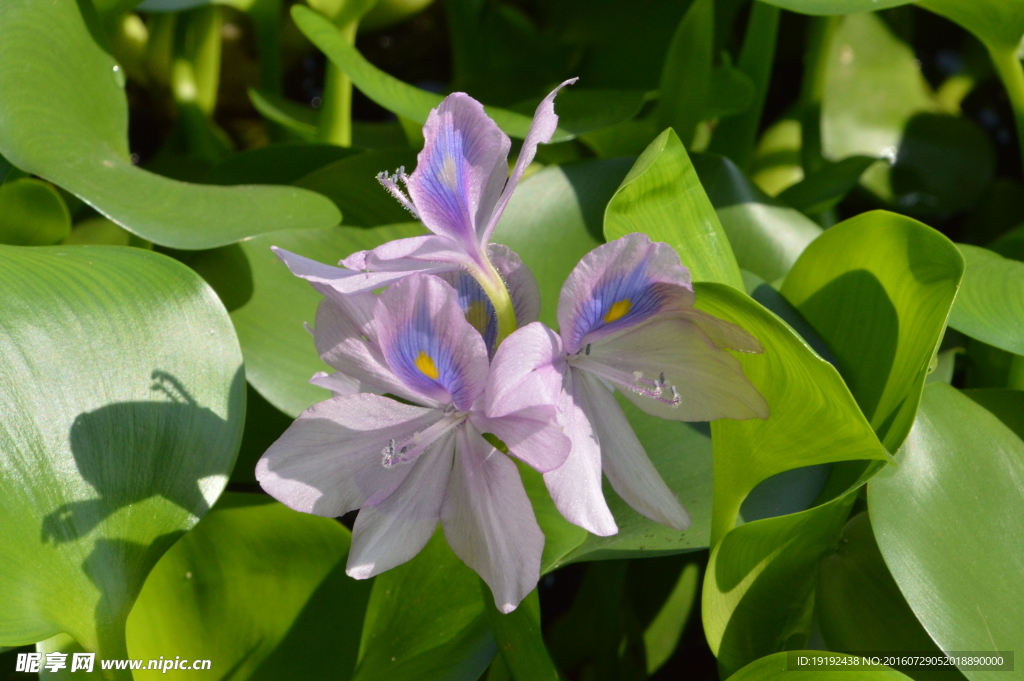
x=124 y=399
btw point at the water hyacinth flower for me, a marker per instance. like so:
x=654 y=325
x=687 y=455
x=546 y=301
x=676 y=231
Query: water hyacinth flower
x=627 y=320
x=407 y=467
x=459 y=189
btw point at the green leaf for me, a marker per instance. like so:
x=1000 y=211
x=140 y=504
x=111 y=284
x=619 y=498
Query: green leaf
x=275 y=579
x=426 y=621
x=685 y=86
x=582 y=110
x=276 y=164
x=103 y=232
x=661 y=637
x=814 y=418
x=299 y=120
x=663 y=198
x=998 y=24
x=946 y=523
x=878 y=288
x=124 y=400
x=766 y=236
x=269 y=305
x=990 y=305
x=735 y=136
x=731 y=92
x=774 y=668
x=519 y=638
x=554 y=219
x=872 y=87
x=1006 y=405
x=32 y=213
x=827 y=187
x=392 y=94
x=351 y=184
x=64 y=117
x=860 y=608
x=760 y=580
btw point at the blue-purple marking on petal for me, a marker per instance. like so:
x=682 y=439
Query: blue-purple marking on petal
x=445 y=179
x=419 y=352
x=619 y=300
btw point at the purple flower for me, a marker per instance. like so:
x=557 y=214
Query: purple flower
x=408 y=466
x=627 y=320
x=459 y=190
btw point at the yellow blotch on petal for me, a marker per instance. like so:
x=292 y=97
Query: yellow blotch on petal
x=449 y=174
x=618 y=310
x=426 y=366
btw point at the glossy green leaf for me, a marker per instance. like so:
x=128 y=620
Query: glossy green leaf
x=269 y=305
x=685 y=88
x=827 y=187
x=946 y=522
x=426 y=622
x=814 y=418
x=878 y=288
x=990 y=305
x=1010 y=244
x=774 y=668
x=554 y=219
x=758 y=588
x=394 y=95
x=777 y=164
x=32 y=213
x=351 y=184
x=257 y=589
x=64 y=117
x=124 y=401
x=264 y=423
x=519 y=639
x=860 y=608
x=766 y=235
x=663 y=198
x=299 y=120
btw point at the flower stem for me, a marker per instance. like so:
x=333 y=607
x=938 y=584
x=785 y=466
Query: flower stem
x=336 y=113
x=504 y=310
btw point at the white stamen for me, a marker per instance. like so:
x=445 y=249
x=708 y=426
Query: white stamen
x=390 y=182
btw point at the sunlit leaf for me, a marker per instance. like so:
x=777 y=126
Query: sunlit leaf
x=878 y=288
x=64 y=117
x=775 y=668
x=256 y=588
x=990 y=305
x=946 y=523
x=124 y=399
x=766 y=235
x=663 y=198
